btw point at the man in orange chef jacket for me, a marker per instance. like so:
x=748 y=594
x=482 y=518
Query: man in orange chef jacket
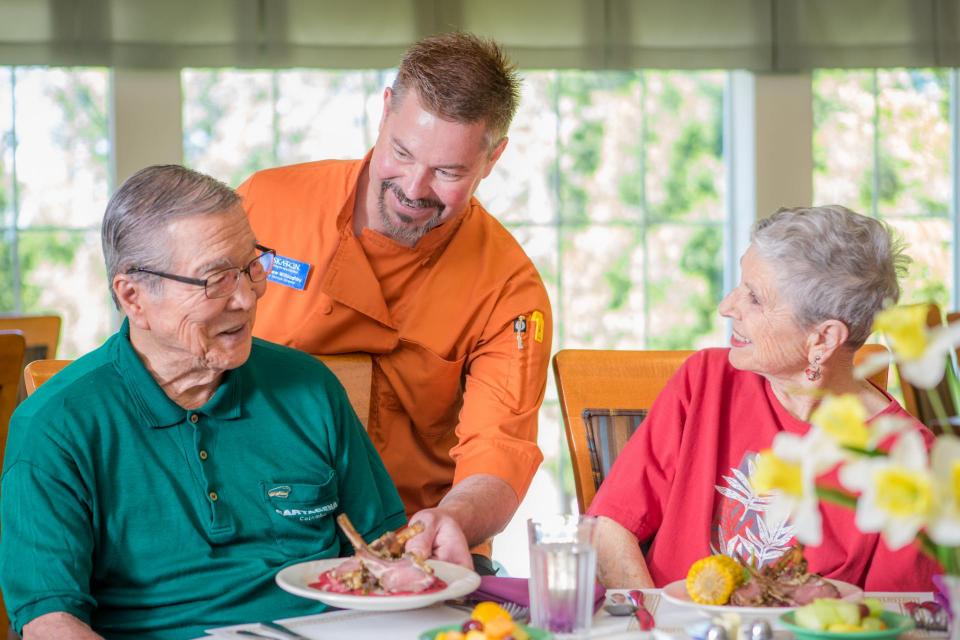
x=392 y=255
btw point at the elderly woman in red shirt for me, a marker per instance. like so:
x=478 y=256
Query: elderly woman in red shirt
x=812 y=281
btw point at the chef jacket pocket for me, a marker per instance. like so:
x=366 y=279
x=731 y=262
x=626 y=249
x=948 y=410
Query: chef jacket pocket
x=302 y=515
x=427 y=386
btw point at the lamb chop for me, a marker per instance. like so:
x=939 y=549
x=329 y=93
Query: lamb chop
x=380 y=567
x=784 y=583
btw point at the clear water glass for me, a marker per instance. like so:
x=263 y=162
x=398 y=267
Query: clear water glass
x=563 y=569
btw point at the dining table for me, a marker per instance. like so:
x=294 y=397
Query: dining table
x=673 y=621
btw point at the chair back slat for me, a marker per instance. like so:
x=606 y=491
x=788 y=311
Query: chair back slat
x=355 y=372
x=12 y=348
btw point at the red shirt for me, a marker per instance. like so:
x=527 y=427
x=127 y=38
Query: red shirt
x=681 y=481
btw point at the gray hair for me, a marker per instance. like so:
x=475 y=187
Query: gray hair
x=142 y=208
x=833 y=264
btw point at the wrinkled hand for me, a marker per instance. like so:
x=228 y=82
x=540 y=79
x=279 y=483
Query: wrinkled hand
x=442 y=538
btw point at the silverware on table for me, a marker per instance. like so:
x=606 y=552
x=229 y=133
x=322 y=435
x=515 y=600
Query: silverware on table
x=518 y=612
x=642 y=614
x=253 y=634
x=276 y=626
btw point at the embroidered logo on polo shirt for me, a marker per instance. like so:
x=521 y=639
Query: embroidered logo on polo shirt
x=312 y=513
x=282 y=491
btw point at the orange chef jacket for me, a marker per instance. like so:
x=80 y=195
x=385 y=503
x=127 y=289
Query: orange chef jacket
x=457 y=380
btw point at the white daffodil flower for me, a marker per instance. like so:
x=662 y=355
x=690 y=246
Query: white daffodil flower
x=787 y=473
x=920 y=352
x=897 y=492
x=944 y=526
x=792 y=495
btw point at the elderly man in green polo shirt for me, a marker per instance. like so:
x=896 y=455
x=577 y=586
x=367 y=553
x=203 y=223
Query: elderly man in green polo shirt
x=156 y=485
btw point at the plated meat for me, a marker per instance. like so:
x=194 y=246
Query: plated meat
x=381 y=568
x=784 y=583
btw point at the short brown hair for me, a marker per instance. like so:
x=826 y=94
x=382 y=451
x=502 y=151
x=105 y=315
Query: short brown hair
x=463 y=78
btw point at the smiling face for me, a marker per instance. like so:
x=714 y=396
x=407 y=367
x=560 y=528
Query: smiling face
x=766 y=338
x=423 y=170
x=182 y=324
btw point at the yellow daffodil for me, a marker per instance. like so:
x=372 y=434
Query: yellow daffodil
x=844 y=419
x=897 y=492
x=944 y=527
x=787 y=475
x=775 y=473
x=920 y=352
x=906 y=329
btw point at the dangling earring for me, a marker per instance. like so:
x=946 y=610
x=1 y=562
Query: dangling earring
x=813 y=371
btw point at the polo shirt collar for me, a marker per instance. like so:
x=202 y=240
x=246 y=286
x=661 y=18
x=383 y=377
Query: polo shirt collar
x=156 y=409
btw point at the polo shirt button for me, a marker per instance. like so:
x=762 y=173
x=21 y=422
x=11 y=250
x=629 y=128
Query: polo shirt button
x=213 y=496
x=194 y=418
x=203 y=454
x=327 y=309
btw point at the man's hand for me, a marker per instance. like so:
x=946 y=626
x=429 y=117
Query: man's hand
x=442 y=538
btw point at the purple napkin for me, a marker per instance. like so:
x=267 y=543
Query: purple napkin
x=941 y=595
x=500 y=590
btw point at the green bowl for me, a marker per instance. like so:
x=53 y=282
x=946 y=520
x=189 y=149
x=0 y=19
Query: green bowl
x=534 y=633
x=896 y=624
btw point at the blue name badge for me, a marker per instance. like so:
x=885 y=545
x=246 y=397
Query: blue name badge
x=289 y=272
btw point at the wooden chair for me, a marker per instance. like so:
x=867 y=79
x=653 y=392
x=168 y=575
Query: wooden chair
x=42 y=334
x=917 y=401
x=354 y=370
x=39 y=371
x=600 y=390
x=12 y=348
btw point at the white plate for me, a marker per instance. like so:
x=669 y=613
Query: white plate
x=676 y=592
x=297 y=578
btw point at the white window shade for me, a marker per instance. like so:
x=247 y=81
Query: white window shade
x=760 y=35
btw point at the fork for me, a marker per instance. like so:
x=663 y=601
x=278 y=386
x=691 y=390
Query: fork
x=518 y=612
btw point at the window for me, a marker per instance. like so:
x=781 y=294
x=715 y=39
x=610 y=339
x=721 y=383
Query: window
x=613 y=182
x=54 y=161
x=882 y=146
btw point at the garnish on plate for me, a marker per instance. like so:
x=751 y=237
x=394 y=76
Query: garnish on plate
x=722 y=580
x=380 y=568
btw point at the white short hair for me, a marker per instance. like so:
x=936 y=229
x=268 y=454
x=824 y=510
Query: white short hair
x=833 y=264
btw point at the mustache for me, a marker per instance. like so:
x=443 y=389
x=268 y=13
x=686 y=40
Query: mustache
x=420 y=203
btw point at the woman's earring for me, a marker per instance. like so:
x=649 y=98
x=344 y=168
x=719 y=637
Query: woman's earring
x=813 y=371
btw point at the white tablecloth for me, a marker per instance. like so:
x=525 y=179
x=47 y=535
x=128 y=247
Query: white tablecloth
x=671 y=621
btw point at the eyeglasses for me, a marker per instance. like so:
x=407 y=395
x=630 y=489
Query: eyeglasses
x=223 y=283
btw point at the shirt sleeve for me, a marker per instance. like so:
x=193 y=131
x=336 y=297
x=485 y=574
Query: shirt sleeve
x=367 y=494
x=46 y=550
x=634 y=493
x=504 y=387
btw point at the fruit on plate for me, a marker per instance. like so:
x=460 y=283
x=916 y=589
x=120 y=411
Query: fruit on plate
x=711 y=580
x=840 y=616
x=488 y=621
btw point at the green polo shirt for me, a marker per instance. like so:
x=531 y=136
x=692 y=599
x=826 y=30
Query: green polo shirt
x=147 y=520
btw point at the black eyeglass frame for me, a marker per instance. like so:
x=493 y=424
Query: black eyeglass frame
x=204 y=282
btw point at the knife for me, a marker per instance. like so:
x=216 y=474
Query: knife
x=276 y=628
x=642 y=614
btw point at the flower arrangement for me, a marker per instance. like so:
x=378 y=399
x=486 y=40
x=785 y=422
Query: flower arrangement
x=884 y=469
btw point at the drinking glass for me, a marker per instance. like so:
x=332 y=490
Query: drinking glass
x=563 y=568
